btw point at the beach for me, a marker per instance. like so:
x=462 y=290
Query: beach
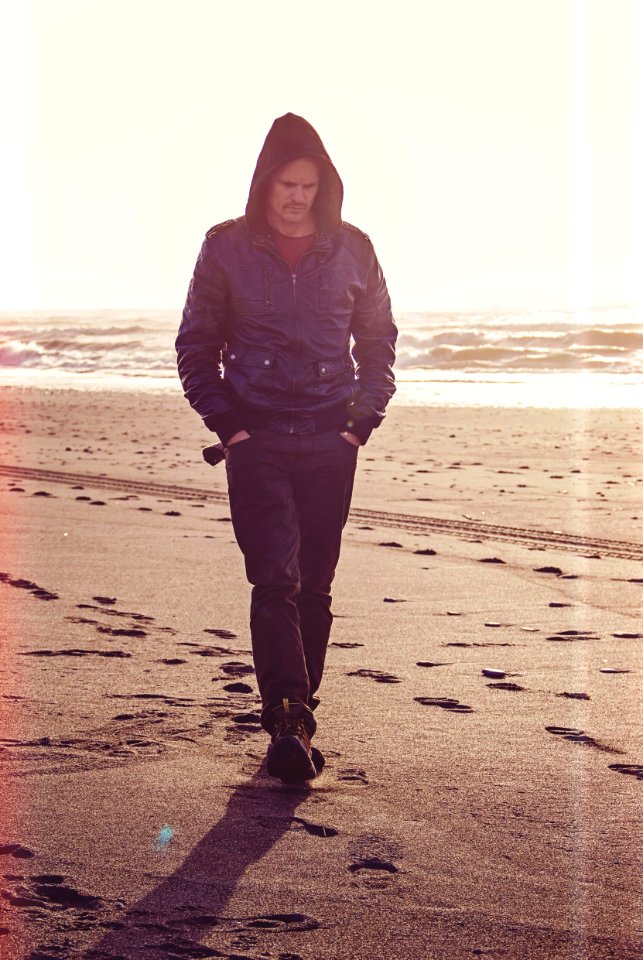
x=480 y=710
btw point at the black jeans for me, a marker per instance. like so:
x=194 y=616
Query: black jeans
x=289 y=500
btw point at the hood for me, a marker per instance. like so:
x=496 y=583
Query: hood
x=289 y=138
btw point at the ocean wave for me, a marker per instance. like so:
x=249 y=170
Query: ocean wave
x=496 y=341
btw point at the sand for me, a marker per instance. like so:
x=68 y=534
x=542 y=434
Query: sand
x=459 y=814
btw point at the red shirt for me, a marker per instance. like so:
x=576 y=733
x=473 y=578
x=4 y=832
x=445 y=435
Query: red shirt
x=292 y=249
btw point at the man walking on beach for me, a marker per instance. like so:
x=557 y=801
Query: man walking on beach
x=264 y=355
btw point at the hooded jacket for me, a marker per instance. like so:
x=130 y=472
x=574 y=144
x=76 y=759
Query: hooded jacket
x=261 y=345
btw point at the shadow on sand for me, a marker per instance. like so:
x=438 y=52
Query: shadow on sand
x=173 y=918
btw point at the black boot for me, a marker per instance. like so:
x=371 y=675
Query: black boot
x=290 y=754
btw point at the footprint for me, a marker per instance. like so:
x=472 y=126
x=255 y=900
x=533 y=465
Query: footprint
x=247 y=718
x=353 y=774
x=447 y=703
x=129 y=615
x=282 y=921
x=579 y=736
x=237 y=669
x=74 y=652
x=505 y=686
x=346 y=646
x=563 y=638
x=66 y=896
x=316 y=829
x=219 y=632
x=16 y=850
x=631 y=769
x=29 y=585
x=373 y=863
x=238 y=688
x=122 y=631
x=429 y=663
x=378 y=675
x=574 y=696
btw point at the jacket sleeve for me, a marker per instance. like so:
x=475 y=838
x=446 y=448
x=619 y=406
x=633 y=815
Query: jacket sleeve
x=374 y=333
x=200 y=342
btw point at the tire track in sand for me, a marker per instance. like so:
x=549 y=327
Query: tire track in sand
x=466 y=529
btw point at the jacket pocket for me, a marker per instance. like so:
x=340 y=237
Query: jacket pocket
x=250 y=290
x=251 y=357
x=334 y=379
x=249 y=372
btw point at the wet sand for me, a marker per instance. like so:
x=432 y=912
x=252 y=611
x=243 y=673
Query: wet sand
x=479 y=715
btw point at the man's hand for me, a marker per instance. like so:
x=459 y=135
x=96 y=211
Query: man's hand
x=351 y=438
x=238 y=437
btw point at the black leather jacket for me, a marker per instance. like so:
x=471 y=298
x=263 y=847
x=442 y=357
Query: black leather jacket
x=284 y=338
x=261 y=345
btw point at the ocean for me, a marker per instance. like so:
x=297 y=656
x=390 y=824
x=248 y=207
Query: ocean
x=536 y=358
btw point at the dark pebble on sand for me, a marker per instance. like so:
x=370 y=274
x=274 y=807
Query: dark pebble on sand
x=389 y=543
x=574 y=696
x=425 y=553
x=555 y=570
x=628 y=636
x=491 y=560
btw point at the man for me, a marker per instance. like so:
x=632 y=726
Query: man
x=264 y=355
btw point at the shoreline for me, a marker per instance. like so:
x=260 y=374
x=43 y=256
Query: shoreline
x=578 y=390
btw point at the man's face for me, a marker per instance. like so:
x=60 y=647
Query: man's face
x=291 y=195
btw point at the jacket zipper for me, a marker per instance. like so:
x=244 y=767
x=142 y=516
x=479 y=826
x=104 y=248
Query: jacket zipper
x=293 y=276
x=294 y=379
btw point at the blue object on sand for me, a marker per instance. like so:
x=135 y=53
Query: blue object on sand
x=163 y=840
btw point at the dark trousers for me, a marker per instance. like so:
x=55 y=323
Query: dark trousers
x=289 y=500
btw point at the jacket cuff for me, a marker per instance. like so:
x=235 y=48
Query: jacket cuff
x=225 y=424
x=362 y=428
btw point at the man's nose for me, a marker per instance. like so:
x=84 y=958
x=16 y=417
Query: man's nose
x=300 y=195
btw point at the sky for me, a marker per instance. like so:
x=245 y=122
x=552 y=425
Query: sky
x=491 y=149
